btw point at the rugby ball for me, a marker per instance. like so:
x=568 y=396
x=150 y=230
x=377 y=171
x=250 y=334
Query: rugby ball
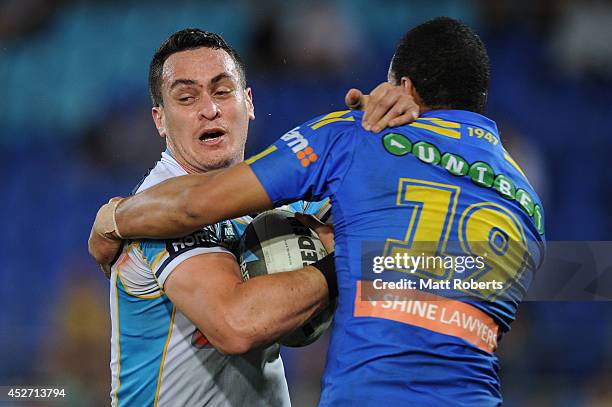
x=275 y=241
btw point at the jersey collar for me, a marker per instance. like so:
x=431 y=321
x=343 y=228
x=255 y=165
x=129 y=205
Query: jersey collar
x=464 y=116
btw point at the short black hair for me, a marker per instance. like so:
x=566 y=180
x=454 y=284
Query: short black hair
x=447 y=63
x=188 y=38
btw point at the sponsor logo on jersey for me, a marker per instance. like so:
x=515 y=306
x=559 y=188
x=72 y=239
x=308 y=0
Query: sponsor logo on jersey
x=246 y=258
x=299 y=145
x=480 y=172
x=201 y=238
x=228 y=235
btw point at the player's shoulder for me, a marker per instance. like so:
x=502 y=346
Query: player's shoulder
x=166 y=167
x=336 y=121
x=313 y=135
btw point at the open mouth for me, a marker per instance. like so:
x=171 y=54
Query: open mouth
x=211 y=136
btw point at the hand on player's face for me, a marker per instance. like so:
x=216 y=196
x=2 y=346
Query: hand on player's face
x=323 y=230
x=386 y=106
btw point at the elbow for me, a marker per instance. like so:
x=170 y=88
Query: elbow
x=233 y=346
x=228 y=341
x=232 y=342
x=240 y=336
x=231 y=336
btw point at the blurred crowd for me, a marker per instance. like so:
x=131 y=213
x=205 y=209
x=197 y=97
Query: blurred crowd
x=75 y=129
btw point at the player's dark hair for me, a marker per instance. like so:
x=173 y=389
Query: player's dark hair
x=189 y=38
x=447 y=63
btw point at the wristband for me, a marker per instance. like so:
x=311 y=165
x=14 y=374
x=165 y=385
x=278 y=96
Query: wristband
x=115 y=217
x=327 y=267
x=109 y=228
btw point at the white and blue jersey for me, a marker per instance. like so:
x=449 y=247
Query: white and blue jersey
x=159 y=357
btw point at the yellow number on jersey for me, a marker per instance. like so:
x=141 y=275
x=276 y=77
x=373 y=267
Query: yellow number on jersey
x=485 y=229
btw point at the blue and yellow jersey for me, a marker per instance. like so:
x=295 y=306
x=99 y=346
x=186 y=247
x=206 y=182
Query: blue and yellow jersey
x=443 y=185
x=159 y=357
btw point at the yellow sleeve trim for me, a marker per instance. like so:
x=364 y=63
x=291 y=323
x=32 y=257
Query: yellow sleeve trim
x=440 y=122
x=264 y=153
x=438 y=130
x=514 y=163
x=331 y=118
x=161 y=366
x=323 y=209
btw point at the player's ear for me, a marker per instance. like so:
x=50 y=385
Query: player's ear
x=158 y=118
x=248 y=94
x=407 y=84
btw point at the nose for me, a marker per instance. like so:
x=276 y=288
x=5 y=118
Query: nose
x=209 y=109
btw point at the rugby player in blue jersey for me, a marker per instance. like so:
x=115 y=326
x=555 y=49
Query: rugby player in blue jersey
x=181 y=316
x=445 y=180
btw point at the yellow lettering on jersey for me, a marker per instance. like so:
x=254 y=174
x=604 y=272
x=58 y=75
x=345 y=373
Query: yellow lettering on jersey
x=433 y=207
x=485 y=229
x=482 y=226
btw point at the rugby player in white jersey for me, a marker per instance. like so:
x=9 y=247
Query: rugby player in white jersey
x=185 y=329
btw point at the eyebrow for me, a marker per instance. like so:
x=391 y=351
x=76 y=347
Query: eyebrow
x=220 y=77
x=190 y=82
x=178 y=82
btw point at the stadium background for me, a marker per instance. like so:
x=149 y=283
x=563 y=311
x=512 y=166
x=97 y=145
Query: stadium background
x=75 y=129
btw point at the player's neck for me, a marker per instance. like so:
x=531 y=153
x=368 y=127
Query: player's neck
x=189 y=169
x=424 y=109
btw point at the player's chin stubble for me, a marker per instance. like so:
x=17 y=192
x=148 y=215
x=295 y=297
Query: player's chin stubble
x=225 y=163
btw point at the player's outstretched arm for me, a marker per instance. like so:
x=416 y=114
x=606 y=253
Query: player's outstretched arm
x=181 y=205
x=177 y=207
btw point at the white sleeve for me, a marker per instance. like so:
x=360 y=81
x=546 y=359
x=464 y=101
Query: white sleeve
x=164 y=256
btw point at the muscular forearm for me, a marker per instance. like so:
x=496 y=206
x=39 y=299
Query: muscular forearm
x=268 y=307
x=164 y=210
x=181 y=205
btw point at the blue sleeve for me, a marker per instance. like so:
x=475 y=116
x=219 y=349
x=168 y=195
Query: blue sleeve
x=308 y=162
